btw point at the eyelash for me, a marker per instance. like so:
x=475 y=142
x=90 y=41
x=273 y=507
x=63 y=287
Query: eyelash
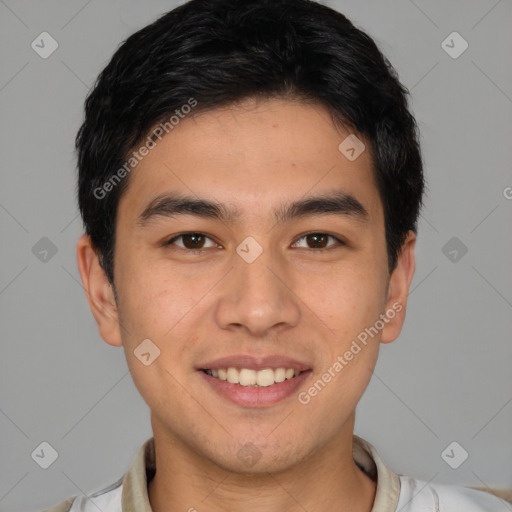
x=201 y=250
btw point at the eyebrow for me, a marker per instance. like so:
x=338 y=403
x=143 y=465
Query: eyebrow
x=172 y=205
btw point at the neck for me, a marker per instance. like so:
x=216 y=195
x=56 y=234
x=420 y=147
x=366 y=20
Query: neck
x=327 y=480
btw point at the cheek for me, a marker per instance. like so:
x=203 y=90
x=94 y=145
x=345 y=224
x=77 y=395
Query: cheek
x=348 y=298
x=158 y=305
x=350 y=303
x=155 y=297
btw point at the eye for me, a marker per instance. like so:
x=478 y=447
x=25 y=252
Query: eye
x=318 y=241
x=192 y=241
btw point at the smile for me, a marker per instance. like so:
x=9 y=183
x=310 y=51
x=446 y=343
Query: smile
x=252 y=378
x=247 y=387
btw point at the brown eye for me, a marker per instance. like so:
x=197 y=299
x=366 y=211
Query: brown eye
x=192 y=241
x=317 y=241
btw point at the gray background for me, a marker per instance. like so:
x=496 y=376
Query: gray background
x=446 y=379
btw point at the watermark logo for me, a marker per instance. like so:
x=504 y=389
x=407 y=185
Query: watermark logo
x=44 y=45
x=454 y=249
x=249 y=249
x=351 y=147
x=44 y=250
x=150 y=143
x=454 y=45
x=249 y=454
x=454 y=455
x=45 y=455
x=146 y=352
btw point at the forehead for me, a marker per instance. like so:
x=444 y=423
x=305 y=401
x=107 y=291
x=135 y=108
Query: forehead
x=254 y=157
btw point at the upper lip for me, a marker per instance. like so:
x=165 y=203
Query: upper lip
x=254 y=362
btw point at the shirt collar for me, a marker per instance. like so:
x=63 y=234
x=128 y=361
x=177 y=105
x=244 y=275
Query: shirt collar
x=142 y=469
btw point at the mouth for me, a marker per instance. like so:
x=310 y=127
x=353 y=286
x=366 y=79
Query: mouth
x=248 y=377
x=250 y=388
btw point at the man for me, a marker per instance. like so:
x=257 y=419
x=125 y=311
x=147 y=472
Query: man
x=250 y=180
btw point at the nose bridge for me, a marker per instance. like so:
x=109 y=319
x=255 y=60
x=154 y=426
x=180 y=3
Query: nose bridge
x=256 y=295
x=257 y=281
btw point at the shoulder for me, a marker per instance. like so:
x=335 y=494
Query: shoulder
x=65 y=506
x=107 y=500
x=420 y=496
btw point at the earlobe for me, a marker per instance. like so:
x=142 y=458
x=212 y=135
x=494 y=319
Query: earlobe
x=99 y=291
x=398 y=290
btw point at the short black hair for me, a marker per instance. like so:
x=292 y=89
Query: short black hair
x=208 y=54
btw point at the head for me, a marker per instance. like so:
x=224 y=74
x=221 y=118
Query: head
x=239 y=111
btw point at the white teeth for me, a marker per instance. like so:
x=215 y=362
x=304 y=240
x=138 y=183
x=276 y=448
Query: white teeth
x=233 y=376
x=253 y=378
x=247 y=377
x=279 y=374
x=265 y=377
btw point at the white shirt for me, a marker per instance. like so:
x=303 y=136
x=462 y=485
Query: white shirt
x=395 y=493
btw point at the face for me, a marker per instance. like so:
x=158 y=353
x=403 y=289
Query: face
x=247 y=239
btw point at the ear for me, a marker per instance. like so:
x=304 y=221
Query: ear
x=99 y=291
x=398 y=290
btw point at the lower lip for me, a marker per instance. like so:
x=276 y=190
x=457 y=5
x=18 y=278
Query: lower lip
x=256 y=396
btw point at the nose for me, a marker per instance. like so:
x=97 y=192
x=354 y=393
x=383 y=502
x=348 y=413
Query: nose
x=257 y=297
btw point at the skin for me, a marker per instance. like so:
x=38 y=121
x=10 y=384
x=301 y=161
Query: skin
x=292 y=300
